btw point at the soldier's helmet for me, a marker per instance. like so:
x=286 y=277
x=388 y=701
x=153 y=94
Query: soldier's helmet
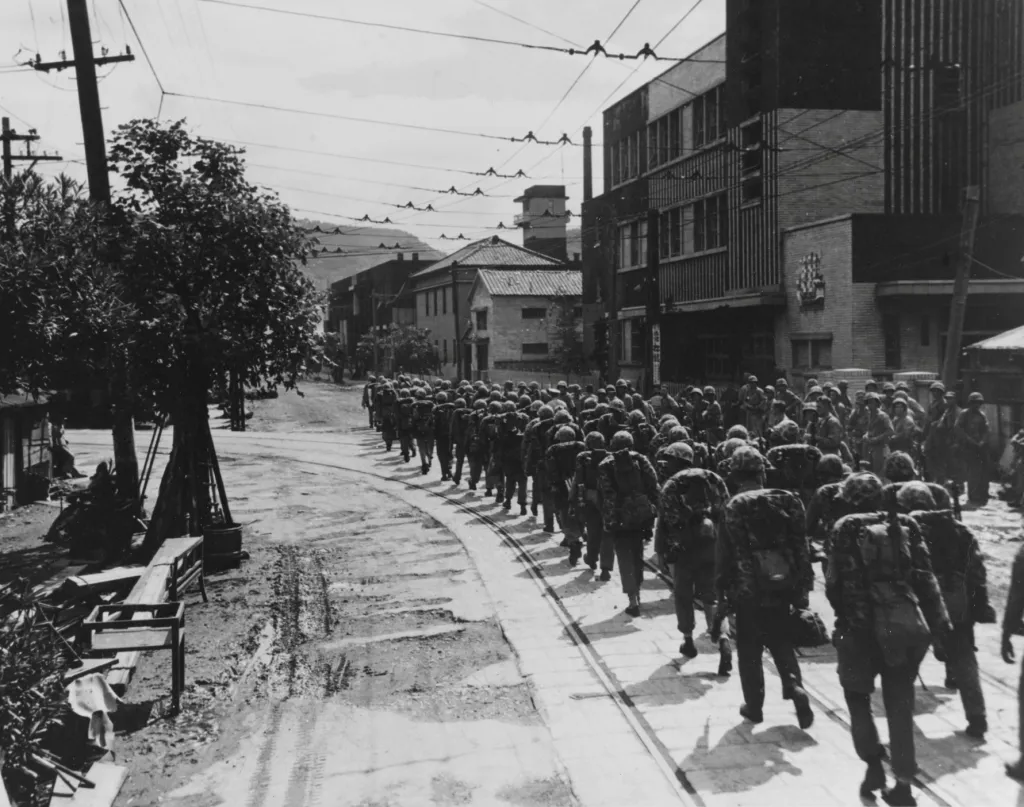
x=899 y=402
x=636 y=417
x=565 y=434
x=873 y=396
x=535 y=407
x=810 y=407
x=830 y=468
x=900 y=395
x=752 y=379
x=937 y=386
x=667 y=416
x=618 y=405
x=562 y=385
x=730 y=446
x=441 y=398
x=589 y=403
x=621 y=383
x=975 y=397
x=696 y=393
x=746 y=460
x=737 y=431
x=509 y=406
x=621 y=440
x=915 y=496
x=681 y=452
x=371 y=378
x=494 y=407
x=861 y=489
x=709 y=392
x=902 y=385
x=594 y=441
x=778 y=403
x=790 y=432
x=494 y=395
x=479 y=403
x=545 y=412
x=888 y=386
x=677 y=433
x=404 y=393
x=667 y=424
x=574 y=388
x=769 y=390
x=558 y=405
x=420 y=393
x=781 y=383
x=563 y=416
x=817 y=391
x=460 y=403
x=525 y=401
x=534 y=385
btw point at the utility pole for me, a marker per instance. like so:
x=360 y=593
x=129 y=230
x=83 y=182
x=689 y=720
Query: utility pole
x=961 y=285
x=653 y=303
x=123 y=432
x=9 y=136
x=457 y=342
x=373 y=329
x=612 y=310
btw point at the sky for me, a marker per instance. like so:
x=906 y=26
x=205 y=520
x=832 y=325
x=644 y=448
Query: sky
x=242 y=60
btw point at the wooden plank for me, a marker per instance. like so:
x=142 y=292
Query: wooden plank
x=174 y=548
x=125 y=639
x=88 y=666
x=105 y=581
x=108 y=778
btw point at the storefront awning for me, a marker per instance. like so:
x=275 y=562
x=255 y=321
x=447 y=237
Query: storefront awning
x=944 y=288
x=749 y=300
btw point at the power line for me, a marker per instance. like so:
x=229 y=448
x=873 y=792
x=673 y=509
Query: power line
x=525 y=22
x=596 y=48
x=142 y=46
x=333 y=115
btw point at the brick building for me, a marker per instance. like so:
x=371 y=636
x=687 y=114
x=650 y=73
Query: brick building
x=804 y=173
x=441 y=292
x=517 y=316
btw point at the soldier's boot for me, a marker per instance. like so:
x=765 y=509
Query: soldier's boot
x=748 y=712
x=976 y=728
x=633 y=609
x=899 y=795
x=804 y=713
x=522 y=509
x=591 y=562
x=575 y=551
x=606 y=575
x=688 y=648
x=874 y=778
x=724 y=656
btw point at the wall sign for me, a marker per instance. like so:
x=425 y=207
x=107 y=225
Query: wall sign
x=656 y=353
x=810 y=283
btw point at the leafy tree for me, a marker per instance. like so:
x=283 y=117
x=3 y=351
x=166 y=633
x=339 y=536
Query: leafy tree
x=209 y=264
x=400 y=348
x=60 y=313
x=568 y=349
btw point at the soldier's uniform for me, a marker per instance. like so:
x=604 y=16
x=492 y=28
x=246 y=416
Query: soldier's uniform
x=461 y=415
x=864 y=647
x=877 y=435
x=560 y=470
x=972 y=429
x=762 y=570
x=369 y=389
x=384 y=403
x=511 y=429
x=489 y=428
x=754 y=405
x=688 y=514
x=443 y=412
x=476 y=444
x=404 y=416
x=423 y=428
x=619 y=511
x=535 y=449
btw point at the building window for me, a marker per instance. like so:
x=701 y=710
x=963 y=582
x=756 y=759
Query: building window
x=673 y=134
x=636 y=341
x=710 y=223
x=926 y=330
x=577 y=311
x=445 y=354
x=535 y=348
x=435 y=302
x=653 y=153
x=717 y=363
x=534 y=313
x=891 y=339
x=481 y=320
x=708 y=118
x=444 y=301
x=426 y=304
x=752 y=143
x=633 y=244
x=614 y=160
x=664 y=226
x=676 y=231
x=812 y=354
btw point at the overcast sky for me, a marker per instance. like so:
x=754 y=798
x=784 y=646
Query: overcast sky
x=303 y=63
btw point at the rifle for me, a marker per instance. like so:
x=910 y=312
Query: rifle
x=955 y=489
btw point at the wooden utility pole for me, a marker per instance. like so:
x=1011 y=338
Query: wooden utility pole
x=457 y=342
x=653 y=374
x=961 y=285
x=373 y=330
x=9 y=136
x=123 y=431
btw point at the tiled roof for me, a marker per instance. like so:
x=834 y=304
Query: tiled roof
x=532 y=282
x=491 y=251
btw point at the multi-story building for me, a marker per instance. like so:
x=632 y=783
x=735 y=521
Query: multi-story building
x=805 y=173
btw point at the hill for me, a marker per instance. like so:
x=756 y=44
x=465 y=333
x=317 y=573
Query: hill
x=347 y=250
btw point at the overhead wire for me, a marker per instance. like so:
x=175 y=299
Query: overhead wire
x=142 y=47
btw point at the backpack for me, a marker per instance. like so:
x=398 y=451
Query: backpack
x=593 y=459
x=767 y=516
x=950 y=558
x=898 y=624
x=634 y=508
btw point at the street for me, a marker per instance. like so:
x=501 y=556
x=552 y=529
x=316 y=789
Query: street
x=436 y=650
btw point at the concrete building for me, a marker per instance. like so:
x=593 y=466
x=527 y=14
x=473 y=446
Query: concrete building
x=350 y=311
x=544 y=220
x=517 y=317
x=442 y=289
x=806 y=224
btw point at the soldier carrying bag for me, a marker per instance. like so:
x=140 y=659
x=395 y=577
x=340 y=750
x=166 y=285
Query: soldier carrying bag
x=635 y=509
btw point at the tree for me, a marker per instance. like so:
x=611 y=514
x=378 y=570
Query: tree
x=60 y=313
x=210 y=266
x=569 y=351
x=400 y=347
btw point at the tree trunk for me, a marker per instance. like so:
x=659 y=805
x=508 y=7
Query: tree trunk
x=126 y=459
x=186 y=502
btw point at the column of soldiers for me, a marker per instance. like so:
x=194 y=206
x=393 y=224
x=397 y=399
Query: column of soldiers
x=739 y=514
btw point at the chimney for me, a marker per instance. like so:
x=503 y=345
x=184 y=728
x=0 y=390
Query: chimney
x=588 y=167
x=400 y=256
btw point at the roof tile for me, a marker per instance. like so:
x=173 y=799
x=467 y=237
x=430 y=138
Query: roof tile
x=532 y=282
x=492 y=251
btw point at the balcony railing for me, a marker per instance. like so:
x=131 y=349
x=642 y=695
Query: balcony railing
x=694 y=278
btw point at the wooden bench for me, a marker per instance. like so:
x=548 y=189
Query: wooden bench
x=139 y=627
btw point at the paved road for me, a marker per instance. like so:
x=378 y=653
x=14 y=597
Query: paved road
x=626 y=720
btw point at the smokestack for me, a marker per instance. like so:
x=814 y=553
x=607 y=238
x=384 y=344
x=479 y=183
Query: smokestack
x=588 y=167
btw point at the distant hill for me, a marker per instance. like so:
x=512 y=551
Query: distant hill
x=360 y=249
